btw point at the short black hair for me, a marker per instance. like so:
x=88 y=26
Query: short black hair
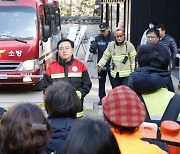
x=61 y=100
x=153 y=55
x=65 y=40
x=162 y=26
x=153 y=30
x=88 y=136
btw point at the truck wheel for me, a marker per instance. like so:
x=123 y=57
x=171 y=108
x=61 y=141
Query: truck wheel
x=38 y=86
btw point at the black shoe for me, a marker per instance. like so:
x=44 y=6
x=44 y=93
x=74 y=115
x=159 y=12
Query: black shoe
x=100 y=102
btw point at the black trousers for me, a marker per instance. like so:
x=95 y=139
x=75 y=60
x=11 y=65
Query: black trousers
x=118 y=81
x=102 y=82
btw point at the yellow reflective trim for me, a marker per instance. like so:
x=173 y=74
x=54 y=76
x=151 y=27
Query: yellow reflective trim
x=60 y=75
x=78 y=94
x=158 y=101
x=132 y=67
x=103 y=62
x=132 y=54
x=42 y=105
x=125 y=71
x=113 y=73
x=79 y=114
x=76 y=74
x=118 y=58
x=107 y=54
x=121 y=73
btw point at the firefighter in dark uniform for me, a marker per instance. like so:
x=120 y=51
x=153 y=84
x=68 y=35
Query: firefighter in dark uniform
x=68 y=69
x=98 y=46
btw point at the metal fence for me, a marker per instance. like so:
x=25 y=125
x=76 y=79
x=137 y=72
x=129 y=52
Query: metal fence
x=80 y=20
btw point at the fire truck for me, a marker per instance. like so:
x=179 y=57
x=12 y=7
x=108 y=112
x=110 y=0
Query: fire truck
x=29 y=32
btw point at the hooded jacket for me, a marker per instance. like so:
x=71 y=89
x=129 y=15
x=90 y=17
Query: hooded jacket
x=148 y=79
x=150 y=84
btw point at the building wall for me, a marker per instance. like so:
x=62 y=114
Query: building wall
x=162 y=11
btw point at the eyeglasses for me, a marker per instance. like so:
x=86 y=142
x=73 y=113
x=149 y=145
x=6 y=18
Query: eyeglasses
x=152 y=37
x=122 y=36
x=62 y=49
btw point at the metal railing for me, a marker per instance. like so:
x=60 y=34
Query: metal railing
x=80 y=20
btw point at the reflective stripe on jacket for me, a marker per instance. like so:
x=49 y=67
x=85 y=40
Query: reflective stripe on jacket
x=73 y=72
x=118 y=53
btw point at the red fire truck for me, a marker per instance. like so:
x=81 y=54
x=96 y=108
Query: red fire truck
x=29 y=32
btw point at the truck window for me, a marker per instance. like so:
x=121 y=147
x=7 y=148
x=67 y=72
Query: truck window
x=52 y=19
x=18 y=22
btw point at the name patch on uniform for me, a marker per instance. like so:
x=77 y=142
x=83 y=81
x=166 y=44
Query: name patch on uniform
x=101 y=43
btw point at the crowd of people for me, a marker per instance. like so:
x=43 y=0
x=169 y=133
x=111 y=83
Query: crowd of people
x=141 y=92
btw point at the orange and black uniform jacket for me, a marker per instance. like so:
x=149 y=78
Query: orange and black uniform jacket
x=73 y=72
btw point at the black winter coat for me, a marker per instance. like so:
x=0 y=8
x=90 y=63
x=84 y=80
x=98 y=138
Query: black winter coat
x=99 y=45
x=61 y=128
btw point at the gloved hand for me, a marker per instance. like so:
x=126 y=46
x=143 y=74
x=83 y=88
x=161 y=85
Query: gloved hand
x=99 y=68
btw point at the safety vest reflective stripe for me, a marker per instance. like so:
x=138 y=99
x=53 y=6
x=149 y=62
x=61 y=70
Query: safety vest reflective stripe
x=158 y=117
x=122 y=73
x=60 y=75
x=79 y=114
x=155 y=117
x=132 y=54
x=118 y=58
x=77 y=74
